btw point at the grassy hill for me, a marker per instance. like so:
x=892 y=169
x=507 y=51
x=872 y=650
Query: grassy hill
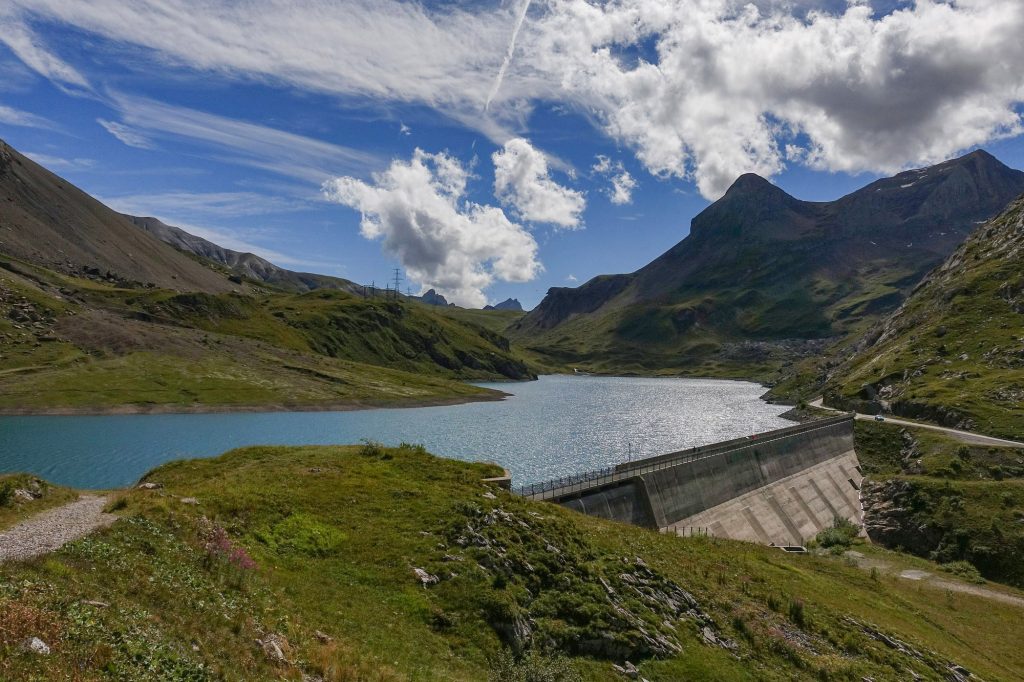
x=764 y=279
x=280 y=563
x=97 y=313
x=954 y=352
x=70 y=343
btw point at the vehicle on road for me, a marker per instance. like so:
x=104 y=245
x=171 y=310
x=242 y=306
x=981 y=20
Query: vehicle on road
x=879 y=418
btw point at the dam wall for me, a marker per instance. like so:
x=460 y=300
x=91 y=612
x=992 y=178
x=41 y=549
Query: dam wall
x=779 y=487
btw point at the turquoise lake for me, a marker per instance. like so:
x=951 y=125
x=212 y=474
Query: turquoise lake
x=552 y=427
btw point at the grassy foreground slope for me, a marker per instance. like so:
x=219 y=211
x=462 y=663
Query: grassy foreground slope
x=336 y=536
x=70 y=343
x=943 y=500
x=954 y=352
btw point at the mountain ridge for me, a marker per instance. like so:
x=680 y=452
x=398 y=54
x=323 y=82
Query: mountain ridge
x=760 y=266
x=244 y=264
x=47 y=221
x=952 y=353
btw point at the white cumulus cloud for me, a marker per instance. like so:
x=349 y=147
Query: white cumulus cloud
x=700 y=90
x=523 y=182
x=620 y=192
x=445 y=242
x=729 y=84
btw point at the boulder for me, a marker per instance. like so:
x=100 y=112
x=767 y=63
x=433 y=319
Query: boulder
x=425 y=578
x=275 y=647
x=36 y=646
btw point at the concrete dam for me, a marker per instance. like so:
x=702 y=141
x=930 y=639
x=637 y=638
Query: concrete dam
x=780 y=487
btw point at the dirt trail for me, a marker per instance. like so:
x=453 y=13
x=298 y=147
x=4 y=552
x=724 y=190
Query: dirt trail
x=52 y=529
x=932 y=580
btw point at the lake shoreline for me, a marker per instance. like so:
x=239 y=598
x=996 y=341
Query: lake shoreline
x=339 y=406
x=556 y=425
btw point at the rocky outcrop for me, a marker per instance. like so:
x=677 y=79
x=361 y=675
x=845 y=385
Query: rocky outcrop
x=556 y=595
x=562 y=303
x=952 y=354
x=433 y=298
x=889 y=518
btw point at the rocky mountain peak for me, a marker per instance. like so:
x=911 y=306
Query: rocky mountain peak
x=507 y=304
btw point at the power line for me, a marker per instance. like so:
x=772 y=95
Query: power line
x=398 y=282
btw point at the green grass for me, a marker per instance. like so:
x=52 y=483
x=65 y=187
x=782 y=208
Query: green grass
x=336 y=533
x=97 y=347
x=221 y=380
x=963 y=502
x=953 y=354
x=14 y=509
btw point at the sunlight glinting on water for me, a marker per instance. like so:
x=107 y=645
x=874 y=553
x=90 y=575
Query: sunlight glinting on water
x=553 y=427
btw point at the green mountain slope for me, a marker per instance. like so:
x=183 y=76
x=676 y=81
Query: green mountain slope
x=954 y=351
x=764 y=278
x=75 y=344
x=280 y=563
x=98 y=314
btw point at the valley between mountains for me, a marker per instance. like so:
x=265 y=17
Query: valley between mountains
x=367 y=562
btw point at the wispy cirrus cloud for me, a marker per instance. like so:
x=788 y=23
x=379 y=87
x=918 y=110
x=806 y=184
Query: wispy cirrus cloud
x=125 y=134
x=700 y=90
x=29 y=48
x=386 y=49
x=202 y=206
x=16 y=117
x=51 y=162
x=242 y=142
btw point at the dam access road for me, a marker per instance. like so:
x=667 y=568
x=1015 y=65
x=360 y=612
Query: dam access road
x=965 y=436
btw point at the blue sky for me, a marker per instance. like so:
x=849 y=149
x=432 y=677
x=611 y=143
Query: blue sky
x=229 y=124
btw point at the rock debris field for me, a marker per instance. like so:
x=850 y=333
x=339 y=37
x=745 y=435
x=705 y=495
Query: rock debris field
x=54 y=528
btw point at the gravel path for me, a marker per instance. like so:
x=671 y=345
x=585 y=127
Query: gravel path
x=54 y=528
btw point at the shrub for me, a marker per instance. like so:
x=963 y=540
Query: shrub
x=796 y=612
x=303 y=534
x=221 y=552
x=117 y=505
x=531 y=667
x=839 y=536
x=6 y=493
x=965 y=570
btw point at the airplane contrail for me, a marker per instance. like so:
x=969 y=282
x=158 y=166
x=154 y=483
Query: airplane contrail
x=508 y=54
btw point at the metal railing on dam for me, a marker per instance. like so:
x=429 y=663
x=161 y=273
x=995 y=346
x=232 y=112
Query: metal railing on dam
x=576 y=484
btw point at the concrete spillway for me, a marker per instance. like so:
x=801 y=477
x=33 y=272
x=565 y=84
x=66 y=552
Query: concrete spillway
x=780 y=487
